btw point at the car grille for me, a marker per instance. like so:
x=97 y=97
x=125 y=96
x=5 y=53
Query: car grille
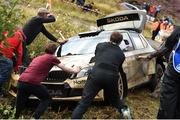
x=58 y=90
x=57 y=76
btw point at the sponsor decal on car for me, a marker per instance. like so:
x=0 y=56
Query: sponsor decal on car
x=118 y=18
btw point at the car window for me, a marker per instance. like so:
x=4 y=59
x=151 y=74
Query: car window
x=126 y=47
x=137 y=41
x=144 y=42
x=87 y=45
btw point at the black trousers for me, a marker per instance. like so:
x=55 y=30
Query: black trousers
x=24 y=91
x=96 y=82
x=24 y=56
x=154 y=34
x=169 y=97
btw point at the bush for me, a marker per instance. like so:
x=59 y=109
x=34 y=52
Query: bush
x=10 y=16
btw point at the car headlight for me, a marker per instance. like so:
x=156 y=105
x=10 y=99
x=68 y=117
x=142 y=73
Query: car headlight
x=84 y=72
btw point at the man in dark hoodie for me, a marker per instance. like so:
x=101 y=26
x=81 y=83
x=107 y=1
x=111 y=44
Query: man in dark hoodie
x=105 y=75
x=34 y=26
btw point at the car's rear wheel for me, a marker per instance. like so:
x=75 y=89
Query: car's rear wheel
x=123 y=88
x=155 y=79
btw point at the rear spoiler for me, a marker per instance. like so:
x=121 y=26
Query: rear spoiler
x=118 y=18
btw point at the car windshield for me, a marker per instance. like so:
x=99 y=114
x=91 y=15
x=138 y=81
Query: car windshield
x=84 y=45
x=87 y=45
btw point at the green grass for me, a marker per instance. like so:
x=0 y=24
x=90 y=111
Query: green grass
x=70 y=19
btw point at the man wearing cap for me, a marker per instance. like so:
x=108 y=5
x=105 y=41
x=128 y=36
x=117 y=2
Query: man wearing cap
x=34 y=26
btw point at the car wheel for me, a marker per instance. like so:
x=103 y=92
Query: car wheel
x=155 y=79
x=123 y=88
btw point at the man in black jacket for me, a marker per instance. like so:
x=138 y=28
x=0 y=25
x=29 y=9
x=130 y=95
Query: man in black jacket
x=34 y=26
x=104 y=75
x=170 y=89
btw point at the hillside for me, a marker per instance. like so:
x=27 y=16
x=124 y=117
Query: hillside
x=169 y=7
x=70 y=21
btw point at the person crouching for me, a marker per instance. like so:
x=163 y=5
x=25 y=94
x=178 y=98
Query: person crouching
x=30 y=80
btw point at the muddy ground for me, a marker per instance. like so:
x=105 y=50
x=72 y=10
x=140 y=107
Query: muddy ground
x=140 y=101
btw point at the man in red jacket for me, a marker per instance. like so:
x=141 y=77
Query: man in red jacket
x=10 y=56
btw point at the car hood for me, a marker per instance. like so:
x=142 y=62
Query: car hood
x=75 y=60
x=127 y=19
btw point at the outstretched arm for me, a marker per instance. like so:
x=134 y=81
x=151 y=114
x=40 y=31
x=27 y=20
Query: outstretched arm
x=48 y=34
x=68 y=69
x=168 y=45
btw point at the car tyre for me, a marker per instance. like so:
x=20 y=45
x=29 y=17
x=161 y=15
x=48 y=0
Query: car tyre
x=156 y=78
x=123 y=88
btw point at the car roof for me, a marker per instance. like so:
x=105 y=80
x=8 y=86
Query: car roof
x=128 y=5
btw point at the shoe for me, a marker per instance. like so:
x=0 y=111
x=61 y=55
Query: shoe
x=126 y=113
x=3 y=93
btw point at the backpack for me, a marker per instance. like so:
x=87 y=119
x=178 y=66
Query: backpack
x=176 y=57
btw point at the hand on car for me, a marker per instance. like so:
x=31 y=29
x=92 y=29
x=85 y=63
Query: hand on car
x=77 y=69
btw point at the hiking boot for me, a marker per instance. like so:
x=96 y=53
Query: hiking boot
x=126 y=113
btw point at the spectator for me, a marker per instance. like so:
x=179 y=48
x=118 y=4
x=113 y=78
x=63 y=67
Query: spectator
x=104 y=75
x=30 y=81
x=163 y=34
x=9 y=57
x=80 y=2
x=155 y=28
x=170 y=28
x=158 y=9
x=152 y=11
x=170 y=96
x=88 y=7
x=34 y=26
x=147 y=7
x=144 y=5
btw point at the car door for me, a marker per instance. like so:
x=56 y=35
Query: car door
x=135 y=69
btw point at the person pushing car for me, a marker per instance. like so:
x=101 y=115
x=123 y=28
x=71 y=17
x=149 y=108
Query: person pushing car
x=30 y=80
x=104 y=75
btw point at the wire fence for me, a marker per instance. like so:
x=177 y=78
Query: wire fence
x=96 y=11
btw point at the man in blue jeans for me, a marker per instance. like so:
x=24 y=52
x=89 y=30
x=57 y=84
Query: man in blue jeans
x=6 y=66
x=7 y=57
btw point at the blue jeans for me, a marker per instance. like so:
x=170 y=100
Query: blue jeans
x=6 y=66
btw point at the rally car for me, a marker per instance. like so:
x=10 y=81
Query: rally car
x=79 y=51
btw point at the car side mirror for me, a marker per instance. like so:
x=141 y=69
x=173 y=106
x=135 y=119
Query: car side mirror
x=126 y=42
